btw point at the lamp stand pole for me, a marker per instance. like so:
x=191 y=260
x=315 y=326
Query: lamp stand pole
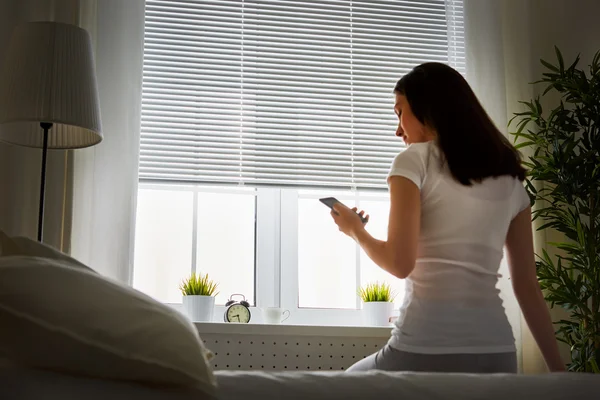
x=46 y=126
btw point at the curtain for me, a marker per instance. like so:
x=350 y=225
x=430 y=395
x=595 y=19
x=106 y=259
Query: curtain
x=106 y=175
x=498 y=70
x=504 y=41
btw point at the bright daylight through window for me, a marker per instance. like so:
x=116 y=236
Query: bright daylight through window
x=251 y=111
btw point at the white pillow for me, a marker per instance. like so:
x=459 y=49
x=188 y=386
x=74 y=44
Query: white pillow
x=7 y=245
x=23 y=246
x=57 y=317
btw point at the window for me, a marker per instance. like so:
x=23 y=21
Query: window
x=181 y=229
x=251 y=111
x=330 y=265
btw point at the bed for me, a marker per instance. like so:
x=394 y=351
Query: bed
x=66 y=332
x=24 y=384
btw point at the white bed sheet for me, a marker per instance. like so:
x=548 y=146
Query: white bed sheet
x=376 y=385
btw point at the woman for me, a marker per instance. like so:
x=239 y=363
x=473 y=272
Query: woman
x=456 y=200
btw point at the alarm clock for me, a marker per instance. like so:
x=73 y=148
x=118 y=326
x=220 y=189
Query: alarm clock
x=237 y=311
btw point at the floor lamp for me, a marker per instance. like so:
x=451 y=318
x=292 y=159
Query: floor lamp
x=48 y=92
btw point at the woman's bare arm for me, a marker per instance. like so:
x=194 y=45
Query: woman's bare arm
x=398 y=253
x=521 y=261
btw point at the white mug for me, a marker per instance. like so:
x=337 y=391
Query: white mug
x=274 y=315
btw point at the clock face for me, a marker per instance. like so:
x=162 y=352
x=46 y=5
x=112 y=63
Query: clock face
x=237 y=313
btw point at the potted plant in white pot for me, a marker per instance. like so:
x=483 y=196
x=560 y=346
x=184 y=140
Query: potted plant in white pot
x=378 y=303
x=199 y=293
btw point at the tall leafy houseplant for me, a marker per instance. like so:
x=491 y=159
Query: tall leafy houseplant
x=564 y=183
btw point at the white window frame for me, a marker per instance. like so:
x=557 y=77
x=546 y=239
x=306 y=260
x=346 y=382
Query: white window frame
x=268 y=235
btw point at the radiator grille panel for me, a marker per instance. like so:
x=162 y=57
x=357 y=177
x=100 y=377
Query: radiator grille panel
x=236 y=351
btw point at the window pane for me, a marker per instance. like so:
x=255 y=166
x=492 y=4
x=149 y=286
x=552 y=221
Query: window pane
x=378 y=211
x=326 y=258
x=226 y=242
x=163 y=242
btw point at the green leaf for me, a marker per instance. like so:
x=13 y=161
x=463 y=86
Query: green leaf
x=574 y=64
x=198 y=285
x=538 y=106
x=530 y=187
x=376 y=292
x=595 y=66
x=561 y=63
x=594 y=365
x=524 y=144
x=580 y=233
x=548 y=88
x=566 y=246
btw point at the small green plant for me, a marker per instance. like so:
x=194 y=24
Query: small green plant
x=198 y=285
x=376 y=292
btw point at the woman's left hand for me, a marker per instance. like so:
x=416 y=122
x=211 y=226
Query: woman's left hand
x=347 y=219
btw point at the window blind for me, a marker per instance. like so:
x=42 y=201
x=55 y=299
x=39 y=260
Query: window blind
x=285 y=93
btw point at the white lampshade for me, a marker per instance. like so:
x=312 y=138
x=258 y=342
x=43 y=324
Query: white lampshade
x=49 y=76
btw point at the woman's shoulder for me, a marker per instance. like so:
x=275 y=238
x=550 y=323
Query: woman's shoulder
x=412 y=162
x=422 y=146
x=421 y=153
x=421 y=149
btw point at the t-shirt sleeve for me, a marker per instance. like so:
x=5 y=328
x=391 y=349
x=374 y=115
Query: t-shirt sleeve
x=411 y=164
x=521 y=198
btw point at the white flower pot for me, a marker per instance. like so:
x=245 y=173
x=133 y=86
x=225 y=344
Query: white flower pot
x=377 y=313
x=199 y=308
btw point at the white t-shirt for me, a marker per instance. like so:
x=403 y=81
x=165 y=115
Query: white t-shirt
x=452 y=304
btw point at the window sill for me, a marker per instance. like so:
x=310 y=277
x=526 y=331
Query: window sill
x=303 y=317
x=292 y=330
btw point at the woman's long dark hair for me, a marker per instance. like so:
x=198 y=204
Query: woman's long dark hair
x=471 y=144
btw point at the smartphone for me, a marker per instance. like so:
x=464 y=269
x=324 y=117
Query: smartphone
x=330 y=201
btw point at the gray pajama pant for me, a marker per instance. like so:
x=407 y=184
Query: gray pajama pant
x=391 y=359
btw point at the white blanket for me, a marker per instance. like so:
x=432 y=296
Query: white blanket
x=238 y=385
x=379 y=385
